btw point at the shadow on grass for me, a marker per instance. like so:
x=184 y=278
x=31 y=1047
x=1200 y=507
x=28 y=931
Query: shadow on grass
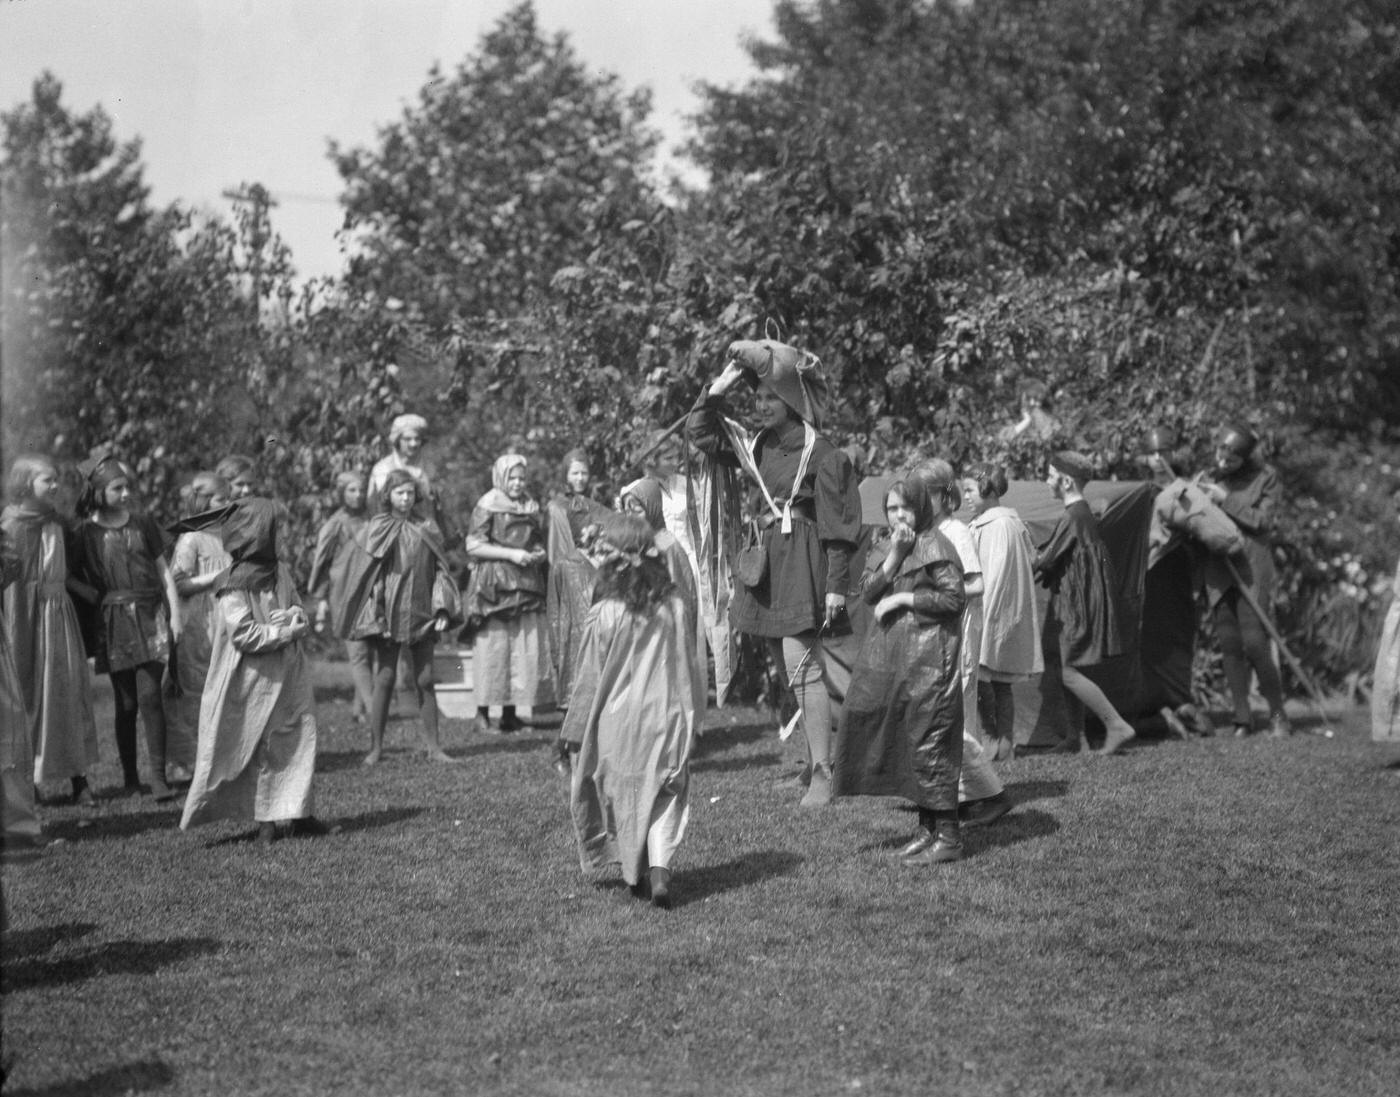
x=1019 y=826
x=511 y=743
x=138 y=1077
x=710 y=880
x=101 y=827
x=1023 y=792
x=113 y=958
x=369 y=820
x=748 y=761
x=721 y=738
x=25 y=942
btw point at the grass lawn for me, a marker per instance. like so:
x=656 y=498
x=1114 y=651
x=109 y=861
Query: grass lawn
x=1217 y=917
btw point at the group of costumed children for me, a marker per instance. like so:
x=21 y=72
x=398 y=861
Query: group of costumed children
x=576 y=605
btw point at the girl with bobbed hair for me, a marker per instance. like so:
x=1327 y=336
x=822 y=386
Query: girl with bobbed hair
x=329 y=569
x=1010 y=645
x=637 y=704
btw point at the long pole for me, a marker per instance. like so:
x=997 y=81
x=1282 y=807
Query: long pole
x=1277 y=637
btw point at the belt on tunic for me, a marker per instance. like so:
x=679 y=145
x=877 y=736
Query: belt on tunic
x=150 y=596
x=805 y=511
x=51 y=591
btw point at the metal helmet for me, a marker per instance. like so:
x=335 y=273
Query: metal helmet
x=1238 y=439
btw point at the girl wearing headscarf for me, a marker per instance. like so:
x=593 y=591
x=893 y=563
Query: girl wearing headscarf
x=196 y=562
x=257 y=721
x=637 y=705
x=400 y=597
x=121 y=567
x=44 y=634
x=329 y=566
x=805 y=499
x=643 y=498
x=573 y=517
x=902 y=728
x=506 y=599
x=1246 y=490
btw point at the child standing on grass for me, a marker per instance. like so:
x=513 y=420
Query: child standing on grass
x=1081 y=620
x=257 y=723
x=1010 y=620
x=400 y=598
x=198 y=559
x=19 y=823
x=901 y=733
x=329 y=567
x=44 y=634
x=124 y=577
x=637 y=704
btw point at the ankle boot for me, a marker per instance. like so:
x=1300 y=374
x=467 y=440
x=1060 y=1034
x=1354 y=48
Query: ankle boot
x=947 y=846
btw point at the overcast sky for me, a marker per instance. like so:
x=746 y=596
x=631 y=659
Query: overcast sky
x=223 y=92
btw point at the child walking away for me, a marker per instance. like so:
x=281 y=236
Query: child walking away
x=198 y=559
x=329 y=568
x=1081 y=619
x=902 y=731
x=400 y=598
x=44 y=635
x=1010 y=626
x=637 y=703
x=257 y=723
x=123 y=575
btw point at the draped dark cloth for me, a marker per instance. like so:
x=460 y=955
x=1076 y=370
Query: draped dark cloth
x=397 y=580
x=1081 y=619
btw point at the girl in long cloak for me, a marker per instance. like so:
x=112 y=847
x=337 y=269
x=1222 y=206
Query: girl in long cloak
x=257 y=722
x=44 y=633
x=808 y=508
x=902 y=729
x=636 y=707
x=329 y=567
x=1010 y=649
x=122 y=573
x=569 y=517
x=196 y=562
x=400 y=598
x=506 y=599
x=19 y=823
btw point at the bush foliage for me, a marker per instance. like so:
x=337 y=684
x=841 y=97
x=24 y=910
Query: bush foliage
x=1169 y=213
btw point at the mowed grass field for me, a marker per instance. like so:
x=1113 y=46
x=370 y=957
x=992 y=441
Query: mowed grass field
x=1216 y=917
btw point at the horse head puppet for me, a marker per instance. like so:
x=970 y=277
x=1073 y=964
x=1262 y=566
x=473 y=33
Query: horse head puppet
x=795 y=376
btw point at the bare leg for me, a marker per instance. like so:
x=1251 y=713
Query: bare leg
x=426 y=695
x=1120 y=732
x=386 y=668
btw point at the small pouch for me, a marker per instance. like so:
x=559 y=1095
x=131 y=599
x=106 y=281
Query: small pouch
x=751 y=563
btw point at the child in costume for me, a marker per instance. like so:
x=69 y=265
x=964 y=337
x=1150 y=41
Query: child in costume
x=329 y=564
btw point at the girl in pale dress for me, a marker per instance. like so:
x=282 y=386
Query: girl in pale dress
x=198 y=558
x=44 y=633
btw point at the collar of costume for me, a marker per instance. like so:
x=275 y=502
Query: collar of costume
x=647 y=492
x=930 y=547
x=382 y=532
x=249 y=531
x=31 y=512
x=795 y=376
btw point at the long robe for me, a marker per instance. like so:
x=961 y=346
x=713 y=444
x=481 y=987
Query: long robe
x=1010 y=619
x=570 y=591
x=17 y=815
x=637 y=704
x=1081 y=620
x=902 y=728
x=1385 y=690
x=197 y=553
x=257 y=723
x=47 y=646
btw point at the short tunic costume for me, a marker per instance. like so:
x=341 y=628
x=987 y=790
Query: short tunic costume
x=47 y=645
x=812 y=561
x=122 y=565
x=902 y=729
x=1081 y=619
